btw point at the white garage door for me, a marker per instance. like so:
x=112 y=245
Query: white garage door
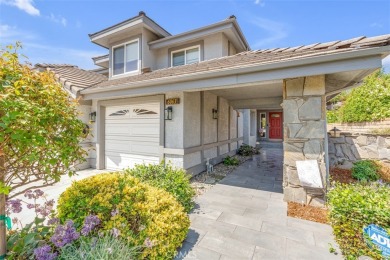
x=132 y=135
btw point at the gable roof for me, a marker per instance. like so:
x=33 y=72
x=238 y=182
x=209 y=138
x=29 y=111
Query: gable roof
x=73 y=78
x=248 y=58
x=141 y=18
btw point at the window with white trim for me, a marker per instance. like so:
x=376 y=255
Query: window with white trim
x=125 y=58
x=185 y=56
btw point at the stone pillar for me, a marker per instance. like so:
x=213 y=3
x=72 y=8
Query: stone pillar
x=304 y=113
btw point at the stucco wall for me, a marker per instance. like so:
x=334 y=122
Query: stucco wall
x=192 y=117
x=148 y=60
x=87 y=143
x=214 y=46
x=207 y=137
x=210 y=124
x=174 y=128
x=249 y=126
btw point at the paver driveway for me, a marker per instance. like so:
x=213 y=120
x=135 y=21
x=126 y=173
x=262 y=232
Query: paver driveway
x=244 y=217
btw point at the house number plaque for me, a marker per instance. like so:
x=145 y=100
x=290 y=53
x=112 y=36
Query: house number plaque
x=172 y=101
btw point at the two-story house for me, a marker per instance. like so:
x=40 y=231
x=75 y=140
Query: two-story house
x=197 y=96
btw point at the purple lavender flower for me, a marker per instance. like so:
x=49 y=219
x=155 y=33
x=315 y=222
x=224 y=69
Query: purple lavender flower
x=64 y=234
x=14 y=206
x=115 y=212
x=30 y=206
x=53 y=221
x=90 y=222
x=115 y=232
x=44 y=253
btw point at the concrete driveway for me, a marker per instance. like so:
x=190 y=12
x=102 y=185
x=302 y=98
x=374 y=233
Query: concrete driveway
x=244 y=217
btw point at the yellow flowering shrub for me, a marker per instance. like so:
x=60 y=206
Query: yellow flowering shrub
x=135 y=211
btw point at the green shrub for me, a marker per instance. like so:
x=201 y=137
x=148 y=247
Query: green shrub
x=365 y=170
x=247 y=150
x=354 y=206
x=130 y=209
x=367 y=103
x=231 y=161
x=103 y=248
x=168 y=178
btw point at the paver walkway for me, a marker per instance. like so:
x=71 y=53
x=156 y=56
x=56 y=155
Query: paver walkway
x=244 y=217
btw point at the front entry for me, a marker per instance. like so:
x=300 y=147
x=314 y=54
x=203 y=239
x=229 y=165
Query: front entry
x=275 y=125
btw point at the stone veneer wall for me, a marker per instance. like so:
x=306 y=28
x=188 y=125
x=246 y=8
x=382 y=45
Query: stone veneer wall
x=349 y=148
x=305 y=136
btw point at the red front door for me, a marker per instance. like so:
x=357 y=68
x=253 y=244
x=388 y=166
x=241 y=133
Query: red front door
x=275 y=125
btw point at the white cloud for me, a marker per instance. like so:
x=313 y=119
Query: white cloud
x=24 y=5
x=58 y=19
x=273 y=32
x=259 y=2
x=44 y=53
x=11 y=34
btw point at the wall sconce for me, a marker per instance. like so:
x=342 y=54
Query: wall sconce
x=92 y=117
x=168 y=113
x=335 y=132
x=215 y=113
x=238 y=114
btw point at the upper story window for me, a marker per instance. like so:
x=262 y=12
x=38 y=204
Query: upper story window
x=185 y=56
x=125 y=58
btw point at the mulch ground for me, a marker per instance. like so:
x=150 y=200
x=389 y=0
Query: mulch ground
x=341 y=175
x=297 y=210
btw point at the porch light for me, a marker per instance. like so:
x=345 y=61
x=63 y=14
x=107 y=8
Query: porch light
x=168 y=113
x=215 y=113
x=92 y=117
x=335 y=132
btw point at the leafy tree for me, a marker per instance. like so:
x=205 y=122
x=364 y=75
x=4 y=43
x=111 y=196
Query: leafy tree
x=39 y=130
x=367 y=103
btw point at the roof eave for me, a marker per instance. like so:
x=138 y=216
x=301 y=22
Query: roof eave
x=230 y=23
x=140 y=19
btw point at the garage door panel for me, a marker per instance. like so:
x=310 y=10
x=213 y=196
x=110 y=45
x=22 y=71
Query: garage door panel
x=122 y=161
x=132 y=135
x=139 y=111
x=121 y=138
x=132 y=130
x=133 y=121
x=129 y=147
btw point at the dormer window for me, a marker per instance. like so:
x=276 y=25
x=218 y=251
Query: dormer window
x=185 y=56
x=125 y=58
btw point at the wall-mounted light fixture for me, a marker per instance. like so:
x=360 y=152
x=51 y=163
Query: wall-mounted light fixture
x=335 y=132
x=238 y=114
x=92 y=117
x=215 y=113
x=168 y=113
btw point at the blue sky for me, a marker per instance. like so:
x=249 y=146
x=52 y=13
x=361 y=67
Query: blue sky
x=56 y=31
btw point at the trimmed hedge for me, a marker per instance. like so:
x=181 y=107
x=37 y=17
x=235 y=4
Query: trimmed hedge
x=168 y=178
x=354 y=206
x=135 y=211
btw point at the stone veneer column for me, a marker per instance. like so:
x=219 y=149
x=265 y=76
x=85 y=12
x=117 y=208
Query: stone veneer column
x=304 y=123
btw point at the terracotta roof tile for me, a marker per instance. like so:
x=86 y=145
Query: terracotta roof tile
x=72 y=77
